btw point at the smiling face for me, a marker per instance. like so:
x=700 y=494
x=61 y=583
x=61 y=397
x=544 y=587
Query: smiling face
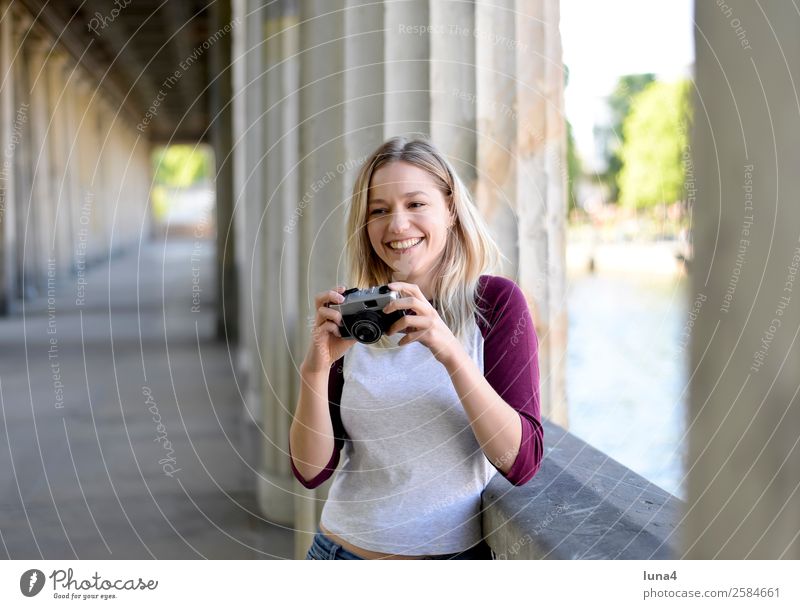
x=407 y=221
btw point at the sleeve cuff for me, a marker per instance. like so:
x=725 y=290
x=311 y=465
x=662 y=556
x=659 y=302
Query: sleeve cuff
x=529 y=457
x=322 y=476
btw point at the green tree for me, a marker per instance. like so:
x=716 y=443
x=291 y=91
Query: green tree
x=612 y=135
x=181 y=165
x=656 y=137
x=574 y=166
x=574 y=169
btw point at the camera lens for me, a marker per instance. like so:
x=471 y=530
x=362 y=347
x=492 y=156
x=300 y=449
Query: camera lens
x=365 y=331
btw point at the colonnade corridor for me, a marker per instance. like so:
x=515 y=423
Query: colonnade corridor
x=121 y=432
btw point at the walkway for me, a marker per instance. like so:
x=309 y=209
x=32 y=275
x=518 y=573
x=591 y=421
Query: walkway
x=121 y=419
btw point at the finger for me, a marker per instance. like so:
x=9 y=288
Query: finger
x=410 y=324
x=329 y=296
x=411 y=289
x=399 y=286
x=333 y=315
x=409 y=304
x=329 y=328
x=410 y=338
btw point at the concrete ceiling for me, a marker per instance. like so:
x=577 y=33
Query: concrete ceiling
x=138 y=50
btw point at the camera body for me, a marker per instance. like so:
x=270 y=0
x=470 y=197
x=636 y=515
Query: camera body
x=362 y=313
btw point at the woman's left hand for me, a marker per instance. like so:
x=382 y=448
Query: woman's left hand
x=424 y=325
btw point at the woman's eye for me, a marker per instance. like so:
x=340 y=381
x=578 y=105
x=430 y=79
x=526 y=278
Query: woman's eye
x=376 y=211
x=418 y=203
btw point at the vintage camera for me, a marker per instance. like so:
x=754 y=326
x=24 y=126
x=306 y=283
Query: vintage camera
x=362 y=313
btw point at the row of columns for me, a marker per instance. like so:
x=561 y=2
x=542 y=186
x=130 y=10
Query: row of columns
x=318 y=86
x=75 y=174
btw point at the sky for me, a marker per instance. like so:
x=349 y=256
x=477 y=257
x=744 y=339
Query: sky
x=603 y=40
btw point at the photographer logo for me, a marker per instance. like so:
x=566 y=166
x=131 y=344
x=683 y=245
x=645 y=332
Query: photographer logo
x=31 y=582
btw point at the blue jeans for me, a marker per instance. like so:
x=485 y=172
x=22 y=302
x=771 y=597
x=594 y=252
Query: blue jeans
x=324 y=548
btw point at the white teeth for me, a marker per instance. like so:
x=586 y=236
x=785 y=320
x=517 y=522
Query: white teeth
x=401 y=245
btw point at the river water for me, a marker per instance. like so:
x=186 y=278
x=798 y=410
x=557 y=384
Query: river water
x=627 y=372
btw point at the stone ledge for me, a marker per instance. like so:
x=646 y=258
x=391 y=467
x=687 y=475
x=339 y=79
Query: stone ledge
x=581 y=504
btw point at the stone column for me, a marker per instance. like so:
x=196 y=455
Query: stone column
x=58 y=150
x=275 y=480
x=364 y=85
x=453 y=111
x=249 y=143
x=9 y=135
x=320 y=219
x=744 y=409
x=521 y=167
x=72 y=186
x=86 y=151
x=406 y=74
x=495 y=100
x=289 y=198
x=541 y=190
x=220 y=72
x=239 y=44
x=23 y=166
x=101 y=168
x=38 y=235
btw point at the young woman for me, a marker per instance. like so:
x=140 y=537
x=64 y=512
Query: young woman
x=447 y=398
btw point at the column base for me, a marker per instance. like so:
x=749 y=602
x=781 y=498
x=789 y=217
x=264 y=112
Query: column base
x=275 y=497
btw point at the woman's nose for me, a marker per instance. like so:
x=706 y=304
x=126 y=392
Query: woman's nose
x=398 y=222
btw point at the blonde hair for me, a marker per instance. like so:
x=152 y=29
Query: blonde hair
x=469 y=252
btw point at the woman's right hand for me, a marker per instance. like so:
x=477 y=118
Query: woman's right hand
x=327 y=344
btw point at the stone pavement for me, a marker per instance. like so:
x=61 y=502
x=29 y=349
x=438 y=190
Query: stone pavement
x=122 y=422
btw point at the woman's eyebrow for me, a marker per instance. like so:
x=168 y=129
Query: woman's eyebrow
x=405 y=196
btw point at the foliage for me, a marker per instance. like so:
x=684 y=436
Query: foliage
x=655 y=138
x=574 y=166
x=613 y=137
x=574 y=169
x=180 y=166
